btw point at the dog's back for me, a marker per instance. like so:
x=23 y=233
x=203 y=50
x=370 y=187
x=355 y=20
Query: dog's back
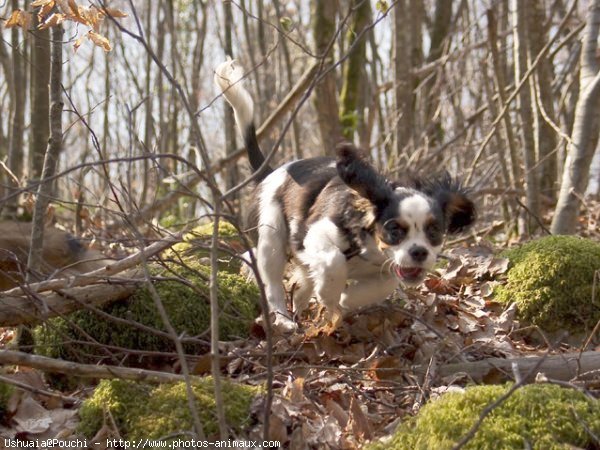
x=62 y=252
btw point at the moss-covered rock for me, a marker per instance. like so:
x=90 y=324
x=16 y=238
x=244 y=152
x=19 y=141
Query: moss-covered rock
x=544 y=417
x=184 y=292
x=197 y=243
x=164 y=409
x=551 y=280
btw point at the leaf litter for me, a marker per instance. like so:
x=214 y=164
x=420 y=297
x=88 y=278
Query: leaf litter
x=339 y=389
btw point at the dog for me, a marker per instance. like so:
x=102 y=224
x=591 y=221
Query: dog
x=352 y=235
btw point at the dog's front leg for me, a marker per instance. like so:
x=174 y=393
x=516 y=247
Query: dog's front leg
x=329 y=273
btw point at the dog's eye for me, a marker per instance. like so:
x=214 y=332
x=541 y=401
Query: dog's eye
x=434 y=233
x=393 y=233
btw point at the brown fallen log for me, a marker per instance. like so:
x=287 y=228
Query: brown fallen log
x=29 y=309
x=563 y=367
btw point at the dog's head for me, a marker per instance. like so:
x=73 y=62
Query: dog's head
x=409 y=222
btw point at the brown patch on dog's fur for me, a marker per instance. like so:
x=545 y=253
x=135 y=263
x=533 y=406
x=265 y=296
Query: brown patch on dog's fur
x=367 y=208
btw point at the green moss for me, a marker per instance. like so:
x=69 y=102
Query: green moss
x=6 y=391
x=186 y=301
x=164 y=410
x=544 y=417
x=197 y=243
x=551 y=280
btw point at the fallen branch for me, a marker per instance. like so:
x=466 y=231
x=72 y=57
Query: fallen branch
x=85 y=370
x=26 y=309
x=88 y=278
x=563 y=367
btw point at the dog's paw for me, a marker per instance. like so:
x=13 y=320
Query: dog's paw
x=280 y=324
x=284 y=325
x=334 y=318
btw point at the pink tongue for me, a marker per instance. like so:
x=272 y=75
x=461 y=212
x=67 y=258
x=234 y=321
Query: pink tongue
x=408 y=272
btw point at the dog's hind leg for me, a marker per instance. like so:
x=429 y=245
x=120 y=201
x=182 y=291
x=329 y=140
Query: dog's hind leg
x=271 y=260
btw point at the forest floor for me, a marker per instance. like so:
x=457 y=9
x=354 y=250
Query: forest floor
x=341 y=389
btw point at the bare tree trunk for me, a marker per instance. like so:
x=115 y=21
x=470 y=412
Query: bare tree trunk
x=230 y=127
x=546 y=138
x=325 y=101
x=521 y=60
x=584 y=138
x=148 y=119
x=404 y=81
x=40 y=103
x=290 y=83
x=515 y=163
x=52 y=153
x=354 y=75
x=15 y=150
x=439 y=37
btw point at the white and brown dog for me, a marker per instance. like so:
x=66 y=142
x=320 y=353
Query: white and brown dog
x=352 y=234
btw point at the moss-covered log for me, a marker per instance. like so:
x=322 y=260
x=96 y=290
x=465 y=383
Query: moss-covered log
x=182 y=287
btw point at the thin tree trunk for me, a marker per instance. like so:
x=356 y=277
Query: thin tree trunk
x=230 y=127
x=148 y=119
x=325 y=100
x=15 y=150
x=519 y=11
x=40 y=104
x=546 y=139
x=54 y=148
x=290 y=83
x=354 y=75
x=515 y=164
x=586 y=127
x=439 y=39
x=403 y=80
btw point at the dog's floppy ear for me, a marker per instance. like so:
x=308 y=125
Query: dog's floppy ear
x=361 y=176
x=453 y=199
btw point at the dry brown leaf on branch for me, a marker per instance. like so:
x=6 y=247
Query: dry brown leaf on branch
x=45 y=10
x=52 y=21
x=113 y=12
x=19 y=18
x=79 y=41
x=92 y=16
x=100 y=41
x=42 y=3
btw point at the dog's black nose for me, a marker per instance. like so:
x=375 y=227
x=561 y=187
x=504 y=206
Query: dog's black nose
x=418 y=254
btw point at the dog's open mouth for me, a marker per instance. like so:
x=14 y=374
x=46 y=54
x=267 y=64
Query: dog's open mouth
x=409 y=274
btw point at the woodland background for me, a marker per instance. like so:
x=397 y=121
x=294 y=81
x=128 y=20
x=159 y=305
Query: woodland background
x=486 y=90
x=111 y=128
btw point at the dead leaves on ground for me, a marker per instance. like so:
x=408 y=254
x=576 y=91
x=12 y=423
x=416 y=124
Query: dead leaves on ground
x=35 y=416
x=52 y=13
x=338 y=390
